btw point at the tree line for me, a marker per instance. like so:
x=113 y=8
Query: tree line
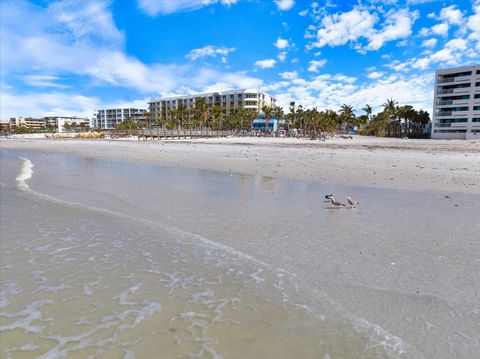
x=392 y=121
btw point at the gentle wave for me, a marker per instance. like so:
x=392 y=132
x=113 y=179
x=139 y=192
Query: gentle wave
x=393 y=344
x=26 y=172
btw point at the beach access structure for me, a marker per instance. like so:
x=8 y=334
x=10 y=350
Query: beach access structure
x=456 y=105
x=157 y=133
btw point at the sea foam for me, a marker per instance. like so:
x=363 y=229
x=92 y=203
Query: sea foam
x=26 y=172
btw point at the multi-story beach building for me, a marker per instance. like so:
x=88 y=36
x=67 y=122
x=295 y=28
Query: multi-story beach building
x=36 y=124
x=227 y=100
x=110 y=118
x=59 y=122
x=456 y=104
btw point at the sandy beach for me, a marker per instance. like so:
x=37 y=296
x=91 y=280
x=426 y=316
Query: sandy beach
x=404 y=264
x=415 y=165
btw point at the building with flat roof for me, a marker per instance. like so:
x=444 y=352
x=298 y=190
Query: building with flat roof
x=61 y=123
x=36 y=124
x=110 y=118
x=227 y=100
x=456 y=103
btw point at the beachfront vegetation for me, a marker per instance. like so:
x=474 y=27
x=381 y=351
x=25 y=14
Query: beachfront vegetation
x=392 y=121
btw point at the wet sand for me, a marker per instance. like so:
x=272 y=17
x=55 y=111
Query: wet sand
x=416 y=165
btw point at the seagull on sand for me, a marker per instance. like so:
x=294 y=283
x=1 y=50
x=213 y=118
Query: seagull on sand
x=352 y=202
x=335 y=202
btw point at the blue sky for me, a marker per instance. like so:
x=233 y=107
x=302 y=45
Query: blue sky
x=73 y=57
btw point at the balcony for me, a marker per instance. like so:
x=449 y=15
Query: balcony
x=452 y=102
x=461 y=90
x=451 y=113
x=445 y=81
x=445 y=91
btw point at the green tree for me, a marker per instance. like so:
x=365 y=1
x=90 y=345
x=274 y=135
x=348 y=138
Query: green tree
x=347 y=117
x=267 y=111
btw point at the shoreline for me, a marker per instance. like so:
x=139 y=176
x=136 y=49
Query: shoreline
x=414 y=165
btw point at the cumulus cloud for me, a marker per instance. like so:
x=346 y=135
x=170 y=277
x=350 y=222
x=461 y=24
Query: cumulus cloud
x=452 y=15
x=281 y=43
x=338 y=29
x=375 y=74
x=360 y=24
x=316 y=64
x=440 y=29
x=430 y=42
x=282 y=56
x=265 y=64
x=284 y=4
x=209 y=50
x=398 y=25
x=289 y=75
x=155 y=7
x=326 y=91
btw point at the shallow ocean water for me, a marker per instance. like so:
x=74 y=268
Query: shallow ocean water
x=82 y=282
x=107 y=259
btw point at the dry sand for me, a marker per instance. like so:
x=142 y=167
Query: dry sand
x=417 y=165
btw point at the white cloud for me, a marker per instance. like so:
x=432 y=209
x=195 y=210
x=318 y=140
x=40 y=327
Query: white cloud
x=375 y=74
x=327 y=91
x=155 y=7
x=303 y=13
x=209 y=50
x=281 y=43
x=440 y=29
x=338 y=29
x=284 y=4
x=316 y=64
x=398 y=25
x=359 y=23
x=282 y=56
x=452 y=15
x=289 y=75
x=265 y=64
x=430 y=42
x=47 y=104
x=43 y=81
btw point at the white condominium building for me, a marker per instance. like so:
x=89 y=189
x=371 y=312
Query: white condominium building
x=456 y=104
x=110 y=118
x=227 y=100
x=59 y=122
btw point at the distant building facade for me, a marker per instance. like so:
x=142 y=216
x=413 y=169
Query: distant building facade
x=4 y=126
x=260 y=123
x=110 y=118
x=456 y=105
x=36 y=124
x=60 y=122
x=227 y=100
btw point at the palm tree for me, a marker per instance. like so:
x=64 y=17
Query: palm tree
x=407 y=113
x=347 y=116
x=390 y=109
x=201 y=112
x=267 y=110
x=368 y=111
x=217 y=114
